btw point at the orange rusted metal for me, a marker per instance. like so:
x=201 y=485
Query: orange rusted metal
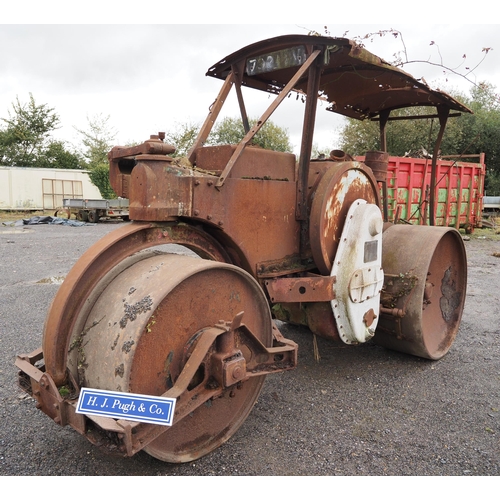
x=424 y=294
x=279 y=236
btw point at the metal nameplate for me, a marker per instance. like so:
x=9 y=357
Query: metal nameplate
x=281 y=59
x=126 y=406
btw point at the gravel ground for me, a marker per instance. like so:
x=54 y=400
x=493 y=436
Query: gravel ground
x=358 y=411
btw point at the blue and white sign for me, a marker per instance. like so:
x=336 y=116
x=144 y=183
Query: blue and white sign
x=126 y=406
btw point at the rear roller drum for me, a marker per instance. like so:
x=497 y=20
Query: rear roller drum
x=424 y=289
x=141 y=330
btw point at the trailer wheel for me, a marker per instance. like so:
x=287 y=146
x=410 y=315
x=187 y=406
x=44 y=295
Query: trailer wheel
x=82 y=215
x=424 y=289
x=93 y=216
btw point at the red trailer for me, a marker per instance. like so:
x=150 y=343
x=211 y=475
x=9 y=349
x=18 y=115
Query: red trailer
x=459 y=191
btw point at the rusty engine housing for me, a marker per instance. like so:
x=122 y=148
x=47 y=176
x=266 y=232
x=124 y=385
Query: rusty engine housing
x=253 y=215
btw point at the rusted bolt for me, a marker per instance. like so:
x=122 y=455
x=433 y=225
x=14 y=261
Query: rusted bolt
x=237 y=373
x=221 y=223
x=196 y=212
x=210 y=183
x=197 y=183
x=209 y=217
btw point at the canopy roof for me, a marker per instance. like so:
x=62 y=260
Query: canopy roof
x=354 y=82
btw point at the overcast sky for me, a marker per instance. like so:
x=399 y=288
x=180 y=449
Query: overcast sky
x=148 y=78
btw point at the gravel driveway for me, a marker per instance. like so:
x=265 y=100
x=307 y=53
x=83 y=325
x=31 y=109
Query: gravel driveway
x=357 y=411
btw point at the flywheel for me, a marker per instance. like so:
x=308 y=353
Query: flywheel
x=339 y=187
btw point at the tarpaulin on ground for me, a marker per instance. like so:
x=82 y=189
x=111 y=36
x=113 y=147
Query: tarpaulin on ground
x=47 y=219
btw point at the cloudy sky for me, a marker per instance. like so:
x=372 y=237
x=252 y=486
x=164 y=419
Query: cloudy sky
x=150 y=77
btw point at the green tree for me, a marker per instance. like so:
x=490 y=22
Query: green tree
x=182 y=137
x=469 y=134
x=482 y=132
x=231 y=131
x=26 y=141
x=97 y=141
x=227 y=131
x=56 y=155
x=99 y=176
x=403 y=136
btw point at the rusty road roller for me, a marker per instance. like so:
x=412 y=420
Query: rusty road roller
x=268 y=237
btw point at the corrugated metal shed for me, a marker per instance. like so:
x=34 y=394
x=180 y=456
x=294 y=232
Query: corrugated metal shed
x=43 y=188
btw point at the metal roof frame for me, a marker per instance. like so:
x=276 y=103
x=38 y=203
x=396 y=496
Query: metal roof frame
x=354 y=82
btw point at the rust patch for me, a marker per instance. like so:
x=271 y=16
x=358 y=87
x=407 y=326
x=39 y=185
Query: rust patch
x=119 y=370
x=451 y=299
x=369 y=317
x=396 y=287
x=115 y=343
x=132 y=310
x=79 y=345
x=127 y=346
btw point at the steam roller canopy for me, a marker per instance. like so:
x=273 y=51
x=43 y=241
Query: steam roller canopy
x=144 y=319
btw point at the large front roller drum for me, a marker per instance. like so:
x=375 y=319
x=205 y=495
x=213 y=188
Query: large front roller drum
x=424 y=289
x=142 y=328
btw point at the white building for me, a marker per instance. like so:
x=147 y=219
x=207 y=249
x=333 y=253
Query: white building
x=43 y=188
